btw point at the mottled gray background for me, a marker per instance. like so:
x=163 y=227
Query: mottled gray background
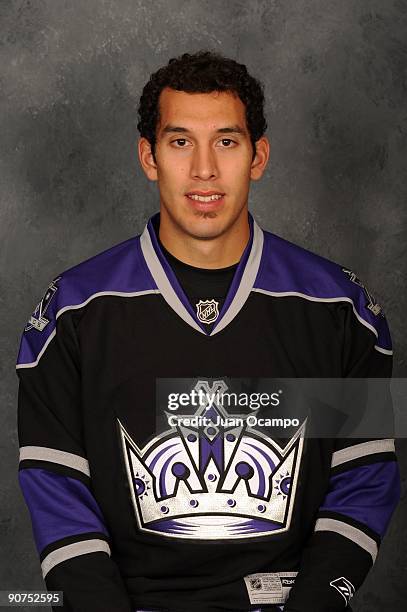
x=335 y=73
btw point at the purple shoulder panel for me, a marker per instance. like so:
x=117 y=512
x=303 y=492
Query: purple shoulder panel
x=288 y=269
x=119 y=270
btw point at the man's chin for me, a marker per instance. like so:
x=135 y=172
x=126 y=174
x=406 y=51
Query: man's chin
x=202 y=225
x=206 y=227
x=209 y=234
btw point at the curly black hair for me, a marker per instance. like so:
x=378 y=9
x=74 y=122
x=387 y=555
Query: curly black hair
x=202 y=72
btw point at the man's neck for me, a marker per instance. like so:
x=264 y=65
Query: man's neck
x=220 y=252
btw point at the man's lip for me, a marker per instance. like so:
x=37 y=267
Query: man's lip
x=205 y=193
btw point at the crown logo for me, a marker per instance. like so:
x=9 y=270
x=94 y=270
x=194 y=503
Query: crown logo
x=38 y=319
x=213 y=481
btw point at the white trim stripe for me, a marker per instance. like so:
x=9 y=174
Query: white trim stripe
x=75 y=307
x=246 y=282
x=73 y=550
x=163 y=283
x=348 y=531
x=20 y=366
x=383 y=350
x=312 y=298
x=42 y=453
x=362 y=450
x=100 y=293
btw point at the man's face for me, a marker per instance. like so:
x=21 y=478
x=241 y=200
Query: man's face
x=203 y=162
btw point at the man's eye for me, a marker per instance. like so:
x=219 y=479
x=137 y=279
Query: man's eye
x=226 y=142
x=180 y=141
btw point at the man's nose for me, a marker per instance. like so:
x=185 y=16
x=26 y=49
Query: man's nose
x=204 y=163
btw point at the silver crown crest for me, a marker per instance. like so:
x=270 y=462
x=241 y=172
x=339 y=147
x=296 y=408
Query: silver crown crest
x=213 y=482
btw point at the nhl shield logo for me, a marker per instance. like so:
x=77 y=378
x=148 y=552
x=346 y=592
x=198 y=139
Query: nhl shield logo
x=207 y=310
x=255 y=584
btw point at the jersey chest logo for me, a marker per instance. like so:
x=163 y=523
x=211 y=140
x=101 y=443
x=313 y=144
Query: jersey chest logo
x=213 y=481
x=207 y=311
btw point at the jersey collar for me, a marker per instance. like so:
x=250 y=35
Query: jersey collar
x=173 y=293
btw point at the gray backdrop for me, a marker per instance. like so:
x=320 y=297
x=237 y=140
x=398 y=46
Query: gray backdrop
x=335 y=74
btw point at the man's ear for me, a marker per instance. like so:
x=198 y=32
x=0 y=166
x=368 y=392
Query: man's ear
x=259 y=163
x=146 y=158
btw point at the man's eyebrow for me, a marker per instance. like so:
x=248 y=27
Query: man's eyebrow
x=177 y=129
x=169 y=129
x=232 y=129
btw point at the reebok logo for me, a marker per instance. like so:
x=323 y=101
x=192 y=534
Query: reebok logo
x=344 y=587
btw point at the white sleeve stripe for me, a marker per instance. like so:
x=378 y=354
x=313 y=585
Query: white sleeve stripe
x=42 y=453
x=348 y=531
x=19 y=366
x=361 y=450
x=73 y=550
x=383 y=350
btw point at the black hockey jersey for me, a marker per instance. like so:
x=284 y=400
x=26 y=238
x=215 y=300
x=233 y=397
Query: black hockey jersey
x=134 y=508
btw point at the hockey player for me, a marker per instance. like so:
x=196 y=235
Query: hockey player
x=138 y=503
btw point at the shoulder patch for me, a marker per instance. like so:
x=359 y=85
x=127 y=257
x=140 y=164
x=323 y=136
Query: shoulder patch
x=38 y=320
x=371 y=303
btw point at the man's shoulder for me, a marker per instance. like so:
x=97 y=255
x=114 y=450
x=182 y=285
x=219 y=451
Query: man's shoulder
x=288 y=269
x=118 y=270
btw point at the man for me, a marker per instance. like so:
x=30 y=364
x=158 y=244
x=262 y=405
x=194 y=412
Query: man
x=137 y=501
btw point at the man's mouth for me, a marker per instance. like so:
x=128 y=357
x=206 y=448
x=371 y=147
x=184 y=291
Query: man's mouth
x=205 y=197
